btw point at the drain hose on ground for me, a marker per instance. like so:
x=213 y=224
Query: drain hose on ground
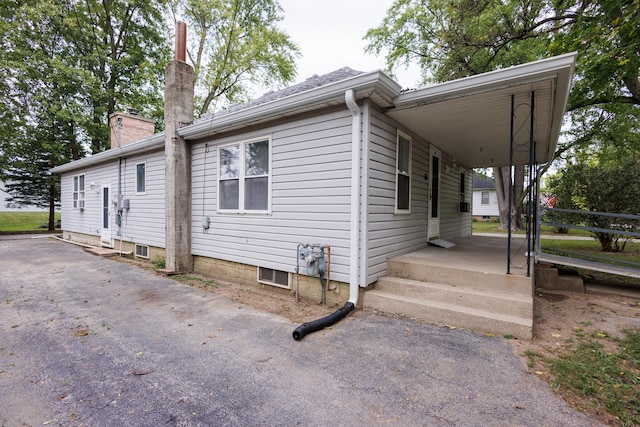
x=316 y=325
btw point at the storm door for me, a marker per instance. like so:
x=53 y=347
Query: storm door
x=105 y=235
x=434 y=194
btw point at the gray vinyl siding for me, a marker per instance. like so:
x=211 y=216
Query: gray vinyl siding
x=391 y=234
x=310 y=198
x=454 y=224
x=143 y=223
x=87 y=220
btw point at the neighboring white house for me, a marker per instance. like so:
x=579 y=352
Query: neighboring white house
x=485 y=198
x=346 y=159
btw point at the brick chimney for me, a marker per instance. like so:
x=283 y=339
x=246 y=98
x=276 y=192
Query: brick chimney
x=129 y=127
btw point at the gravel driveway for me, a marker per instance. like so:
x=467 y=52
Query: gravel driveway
x=91 y=341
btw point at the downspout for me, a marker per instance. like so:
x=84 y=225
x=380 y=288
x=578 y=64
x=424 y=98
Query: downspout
x=350 y=99
x=350 y=305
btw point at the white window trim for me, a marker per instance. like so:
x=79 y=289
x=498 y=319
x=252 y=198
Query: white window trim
x=482 y=199
x=145 y=178
x=80 y=201
x=241 y=178
x=408 y=174
x=270 y=283
x=137 y=245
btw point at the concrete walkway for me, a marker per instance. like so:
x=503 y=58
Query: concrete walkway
x=91 y=341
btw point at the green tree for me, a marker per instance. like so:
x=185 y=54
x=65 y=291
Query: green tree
x=602 y=186
x=120 y=48
x=455 y=38
x=67 y=66
x=237 y=44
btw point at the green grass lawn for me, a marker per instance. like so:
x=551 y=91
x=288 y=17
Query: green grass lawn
x=590 y=248
x=492 y=227
x=14 y=222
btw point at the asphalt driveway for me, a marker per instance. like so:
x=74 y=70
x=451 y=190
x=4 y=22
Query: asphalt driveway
x=91 y=341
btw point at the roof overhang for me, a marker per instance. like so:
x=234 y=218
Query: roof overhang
x=470 y=118
x=375 y=85
x=153 y=142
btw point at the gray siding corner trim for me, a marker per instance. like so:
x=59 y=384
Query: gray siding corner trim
x=390 y=234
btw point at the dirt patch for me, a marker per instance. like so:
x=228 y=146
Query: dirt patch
x=267 y=298
x=560 y=315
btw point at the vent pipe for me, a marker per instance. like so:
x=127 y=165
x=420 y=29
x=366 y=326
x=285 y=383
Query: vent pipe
x=181 y=41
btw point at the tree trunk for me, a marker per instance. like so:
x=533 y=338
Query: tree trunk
x=501 y=180
x=52 y=208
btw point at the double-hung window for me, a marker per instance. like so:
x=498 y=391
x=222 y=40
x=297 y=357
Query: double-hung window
x=244 y=180
x=78 y=191
x=141 y=178
x=484 y=198
x=403 y=173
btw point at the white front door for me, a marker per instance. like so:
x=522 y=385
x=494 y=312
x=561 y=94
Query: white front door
x=105 y=235
x=434 y=194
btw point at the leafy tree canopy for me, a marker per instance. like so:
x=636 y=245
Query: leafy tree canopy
x=450 y=39
x=456 y=38
x=237 y=44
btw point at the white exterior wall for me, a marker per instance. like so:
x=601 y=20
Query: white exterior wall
x=485 y=210
x=390 y=234
x=310 y=199
x=143 y=223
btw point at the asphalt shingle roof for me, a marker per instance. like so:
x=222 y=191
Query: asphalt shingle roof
x=311 y=83
x=481 y=182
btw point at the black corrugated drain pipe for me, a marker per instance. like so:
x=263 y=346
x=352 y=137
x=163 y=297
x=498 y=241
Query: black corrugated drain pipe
x=323 y=322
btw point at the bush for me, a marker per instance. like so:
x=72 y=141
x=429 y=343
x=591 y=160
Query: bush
x=158 y=262
x=612 y=187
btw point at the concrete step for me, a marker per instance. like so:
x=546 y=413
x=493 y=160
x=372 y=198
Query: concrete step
x=408 y=268
x=461 y=296
x=450 y=314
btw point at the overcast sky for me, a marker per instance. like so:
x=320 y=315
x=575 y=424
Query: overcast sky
x=329 y=34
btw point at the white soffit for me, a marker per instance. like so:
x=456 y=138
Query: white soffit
x=469 y=119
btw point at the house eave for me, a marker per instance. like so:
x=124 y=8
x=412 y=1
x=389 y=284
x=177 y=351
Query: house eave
x=376 y=85
x=469 y=117
x=155 y=141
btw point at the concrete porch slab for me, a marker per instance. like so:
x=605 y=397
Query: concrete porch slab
x=476 y=253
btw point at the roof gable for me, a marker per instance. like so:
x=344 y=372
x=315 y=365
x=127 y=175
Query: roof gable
x=481 y=182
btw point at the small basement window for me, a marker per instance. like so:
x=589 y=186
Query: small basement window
x=142 y=251
x=273 y=277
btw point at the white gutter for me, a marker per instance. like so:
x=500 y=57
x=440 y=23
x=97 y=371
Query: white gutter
x=363 y=85
x=354 y=252
x=551 y=68
x=155 y=141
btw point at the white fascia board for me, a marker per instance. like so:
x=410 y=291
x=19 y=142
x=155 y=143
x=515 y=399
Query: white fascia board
x=563 y=88
x=152 y=142
x=363 y=86
x=559 y=67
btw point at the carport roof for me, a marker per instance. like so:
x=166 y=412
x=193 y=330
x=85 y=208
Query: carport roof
x=469 y=118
